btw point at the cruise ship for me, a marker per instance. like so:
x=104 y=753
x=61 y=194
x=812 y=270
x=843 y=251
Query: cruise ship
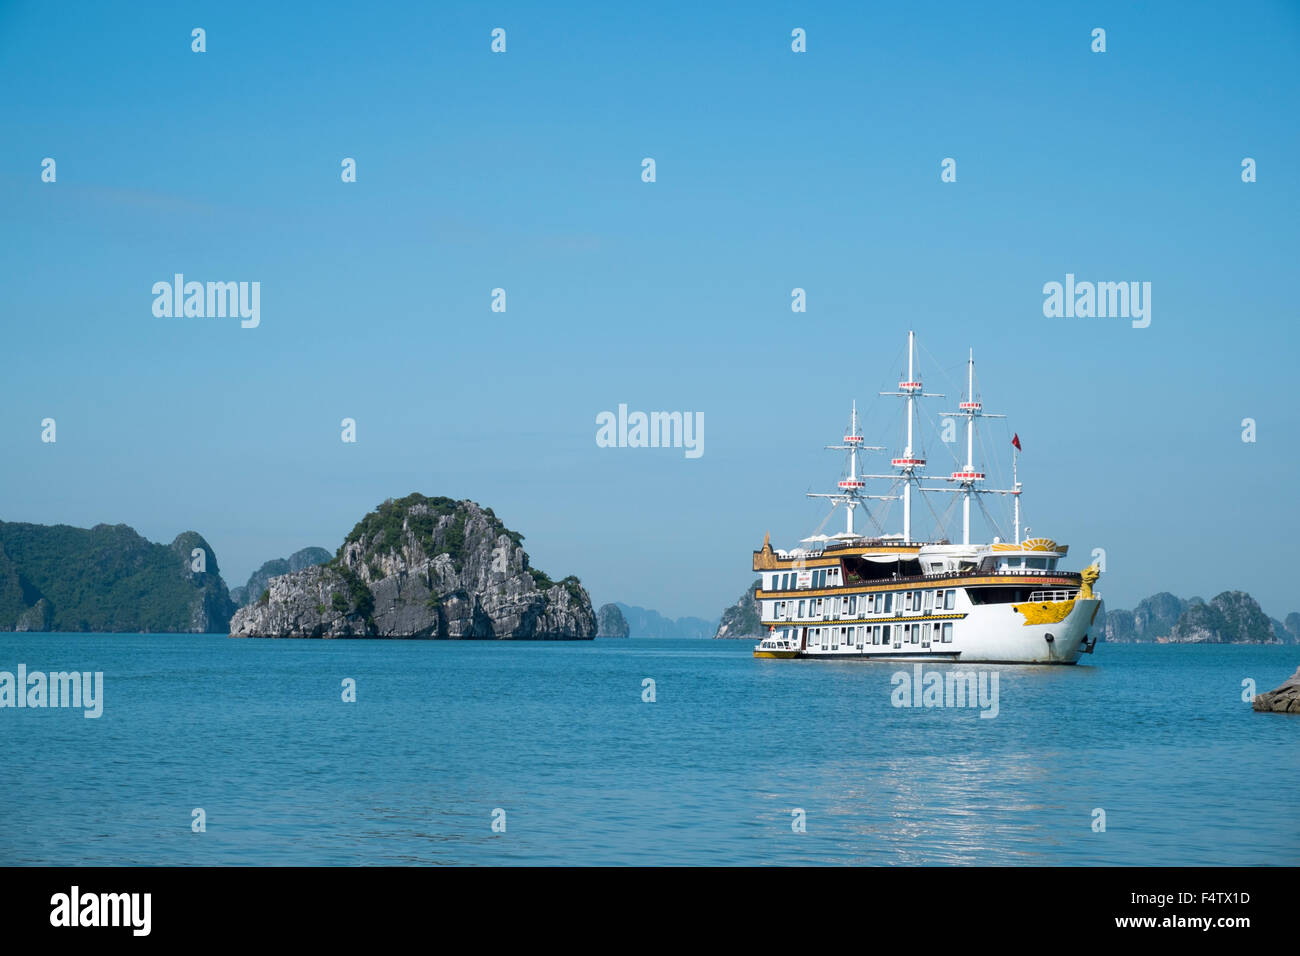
x=859 y=596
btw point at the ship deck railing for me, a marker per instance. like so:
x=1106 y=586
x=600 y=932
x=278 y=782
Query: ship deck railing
x=803 y=553
x=854 y=581
x=998 y=573
x=1066 y=594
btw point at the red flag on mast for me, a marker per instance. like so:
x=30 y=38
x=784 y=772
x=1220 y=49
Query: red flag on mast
x=1015 y=440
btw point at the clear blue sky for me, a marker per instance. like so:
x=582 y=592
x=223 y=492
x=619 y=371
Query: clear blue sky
x=775 y=170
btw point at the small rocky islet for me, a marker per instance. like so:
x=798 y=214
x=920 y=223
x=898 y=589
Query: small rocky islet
x=1283 y=700
x=610 y=622
x=422 y=567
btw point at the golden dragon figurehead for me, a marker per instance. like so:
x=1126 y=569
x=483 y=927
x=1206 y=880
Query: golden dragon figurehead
x=1090 y=574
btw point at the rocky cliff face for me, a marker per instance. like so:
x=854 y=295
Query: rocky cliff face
x=260 y=579
x=610 y=622
x=1153 y=618
x=211 y=608
x=1233 y=617
x=744 y=618
x=423 y=568
x=1283 y=700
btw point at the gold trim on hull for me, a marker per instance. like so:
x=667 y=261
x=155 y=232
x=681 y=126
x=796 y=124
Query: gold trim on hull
x=1050 y=612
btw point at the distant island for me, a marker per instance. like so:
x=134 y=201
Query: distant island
x=260 y=579
x=1233 y=617
x=617 y=619
x=610 y=622
x=643 y=622
x=108 y=578
x=420 y=567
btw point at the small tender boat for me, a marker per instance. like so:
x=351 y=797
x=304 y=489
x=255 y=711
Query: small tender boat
x=776 y=645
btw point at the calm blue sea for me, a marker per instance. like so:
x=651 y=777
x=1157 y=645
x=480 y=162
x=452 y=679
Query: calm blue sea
x=442 y=733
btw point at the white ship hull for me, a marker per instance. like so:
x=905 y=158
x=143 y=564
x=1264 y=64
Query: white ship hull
x=989 y=634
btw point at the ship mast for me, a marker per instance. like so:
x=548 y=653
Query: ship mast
x=908 y=464
x=1015 y=484
x=967 y=477
x=850 y=494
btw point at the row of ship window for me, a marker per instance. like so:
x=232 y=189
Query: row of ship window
x=817 y=578
x=1020 y=562
x=823 y=577
x=886 y=602
x=833 y=638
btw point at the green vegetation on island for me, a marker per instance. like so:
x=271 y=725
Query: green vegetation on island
x=1232 y=617
x=423 y=567
x=108 y=578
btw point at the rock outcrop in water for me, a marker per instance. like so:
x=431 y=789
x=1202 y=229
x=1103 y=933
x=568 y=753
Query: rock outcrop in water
x=610 y=622
x=1284 y=700
x=742 y=619
x=423 y=567
x=260 y=579
x=109 y=579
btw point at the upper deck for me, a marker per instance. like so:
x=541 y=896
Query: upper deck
x=865 y=565
x=1039 y=580
x=766 y=559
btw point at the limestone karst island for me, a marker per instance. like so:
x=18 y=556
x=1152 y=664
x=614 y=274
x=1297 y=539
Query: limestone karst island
x=423 y=567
